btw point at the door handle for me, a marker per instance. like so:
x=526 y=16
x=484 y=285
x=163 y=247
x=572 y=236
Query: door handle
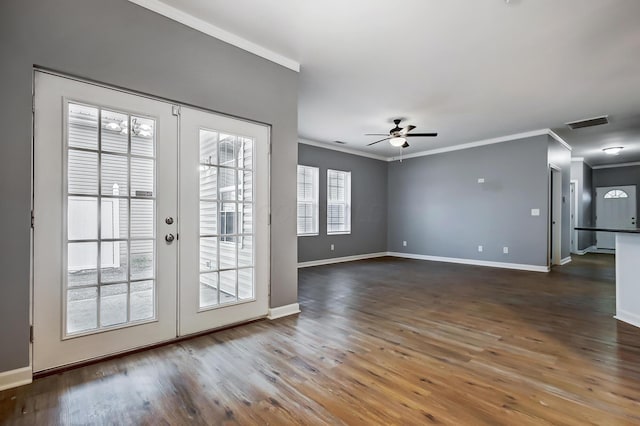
x=169 y=238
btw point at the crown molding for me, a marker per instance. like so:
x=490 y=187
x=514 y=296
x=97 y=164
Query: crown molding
x=491 y=141
x=216 y=32
x=341 y=149
x=581 y=160
x=612 y=166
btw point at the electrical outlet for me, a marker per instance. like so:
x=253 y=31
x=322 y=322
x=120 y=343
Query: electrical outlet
x=535 y=212
x=332 y=247
x=480 y=248
x=505 y=250
x=404 y=244
x=480 y=180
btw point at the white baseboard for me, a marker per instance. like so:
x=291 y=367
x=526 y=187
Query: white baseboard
x=340 y=259
x=590 y=249
x=603 y=251
x=628 y=317
x=14 y=378
x=565 y=261
x=283 y=311
x=518 y=266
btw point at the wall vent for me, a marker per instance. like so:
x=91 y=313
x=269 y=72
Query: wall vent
x=589 y=122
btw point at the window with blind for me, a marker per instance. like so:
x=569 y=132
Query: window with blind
x=338 y=202
x=307 y=200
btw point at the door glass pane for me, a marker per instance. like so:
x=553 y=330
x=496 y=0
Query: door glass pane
x=82 y=172
x=113 y=227
x=114 y=132
x=142 y=265
x=114 y=261
x=228 y=286
x=142 y=224
x=226 y=230
x=208 y=289
x=245 y=283
x=82 y=218
x=82 y=264
x=113 y=304
x=114 y=222
x=82 y=309
x=141 y=300
x=83 y=126
x=143 y=136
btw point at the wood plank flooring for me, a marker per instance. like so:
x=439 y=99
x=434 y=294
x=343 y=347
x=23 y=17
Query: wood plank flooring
x=384 y=341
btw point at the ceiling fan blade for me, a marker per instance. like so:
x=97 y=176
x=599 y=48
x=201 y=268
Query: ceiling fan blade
x=373 y=143
x=405 y=145
x=376 y=134
x=407 y=129
x=420 y=135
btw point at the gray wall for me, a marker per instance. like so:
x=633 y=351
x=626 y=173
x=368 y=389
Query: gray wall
x=582 y=173
x=615 y=176
x=368 y=205
x=436 y=204
x=560 y=156
x=119 y=43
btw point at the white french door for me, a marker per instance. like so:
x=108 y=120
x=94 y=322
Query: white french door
x=224 y=230
x=124 y=256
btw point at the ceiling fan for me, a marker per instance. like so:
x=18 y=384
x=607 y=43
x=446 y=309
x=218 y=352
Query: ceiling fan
x=398 y=135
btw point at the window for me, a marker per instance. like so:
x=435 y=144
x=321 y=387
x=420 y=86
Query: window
x=616 y=193
x=338 y=202
x=307 y=200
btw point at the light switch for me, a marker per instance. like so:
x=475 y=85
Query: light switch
x=535 y=212
x=480 y=180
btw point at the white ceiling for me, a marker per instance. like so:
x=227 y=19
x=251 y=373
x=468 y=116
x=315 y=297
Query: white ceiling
x=469 y=69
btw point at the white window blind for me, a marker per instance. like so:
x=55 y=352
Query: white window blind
x=338 y=202
x=307 y=200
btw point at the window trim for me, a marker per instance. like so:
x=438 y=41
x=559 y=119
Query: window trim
x=315 y=202
x=347 y=202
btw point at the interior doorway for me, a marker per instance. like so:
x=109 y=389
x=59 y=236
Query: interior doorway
x=555 y=216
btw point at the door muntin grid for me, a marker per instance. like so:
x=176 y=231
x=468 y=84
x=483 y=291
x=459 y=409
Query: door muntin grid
x=226 y=235
x=109 y=268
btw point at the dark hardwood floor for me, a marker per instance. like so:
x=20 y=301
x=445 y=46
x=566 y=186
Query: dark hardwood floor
x=385 y=341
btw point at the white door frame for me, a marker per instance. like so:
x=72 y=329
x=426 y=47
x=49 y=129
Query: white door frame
x=576 y=214
x=554 y=253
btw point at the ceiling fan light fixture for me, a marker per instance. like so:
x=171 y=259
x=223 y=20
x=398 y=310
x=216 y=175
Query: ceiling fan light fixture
x=613 y=150
x=397 y=141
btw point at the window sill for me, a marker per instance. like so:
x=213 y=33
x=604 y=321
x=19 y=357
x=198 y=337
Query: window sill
x=339 y=233
x=308 y=235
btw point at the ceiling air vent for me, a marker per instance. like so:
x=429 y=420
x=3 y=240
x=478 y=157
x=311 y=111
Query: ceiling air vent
x=589 y=122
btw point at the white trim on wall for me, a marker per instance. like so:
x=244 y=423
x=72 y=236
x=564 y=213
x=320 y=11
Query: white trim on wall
x=14 y=378
x=565 y=260
x=590 y=249
x=341 y=149
x=611 y=166
x=491 y=141
x=333 y=260
x=476 y=262
x=628 y=317
x=216 y=32
x=283 y=311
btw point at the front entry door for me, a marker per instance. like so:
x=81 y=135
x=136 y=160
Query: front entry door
x=105 y=179
x=615 y=208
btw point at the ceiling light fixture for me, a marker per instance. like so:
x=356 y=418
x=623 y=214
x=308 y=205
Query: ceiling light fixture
x=613 y=150
x=397 y=141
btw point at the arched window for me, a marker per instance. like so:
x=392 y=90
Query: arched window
x=616 y=193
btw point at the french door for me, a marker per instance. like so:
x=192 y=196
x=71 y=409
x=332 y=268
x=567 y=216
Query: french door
x=141 y=233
